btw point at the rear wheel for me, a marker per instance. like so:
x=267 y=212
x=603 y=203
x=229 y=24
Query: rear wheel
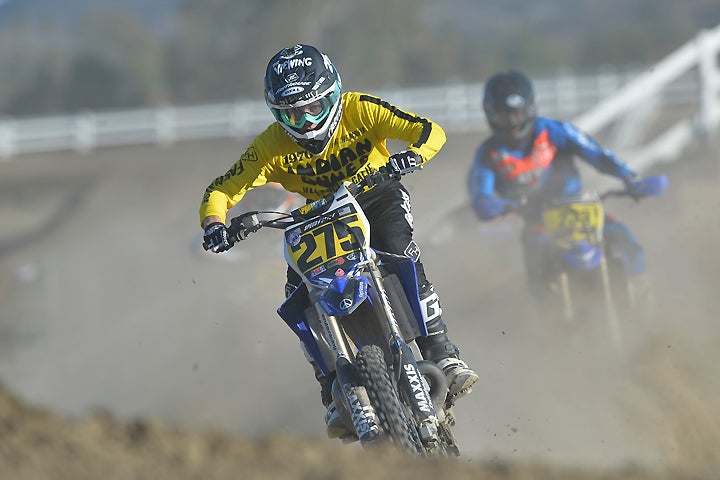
x=620 y=284
x=381 y=390
x=609 y=300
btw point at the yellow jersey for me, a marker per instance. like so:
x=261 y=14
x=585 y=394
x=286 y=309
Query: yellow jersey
x=358 y=147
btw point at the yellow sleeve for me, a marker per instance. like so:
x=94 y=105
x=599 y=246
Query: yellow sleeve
x=227 y=190
x=423 y=135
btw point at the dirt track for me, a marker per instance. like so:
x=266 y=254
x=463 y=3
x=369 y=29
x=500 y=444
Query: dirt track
x=108 y=303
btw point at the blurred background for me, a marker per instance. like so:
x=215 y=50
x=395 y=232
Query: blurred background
x=108 y=303
x=74 y=55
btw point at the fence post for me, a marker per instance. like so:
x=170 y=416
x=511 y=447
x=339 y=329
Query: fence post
x=166 y=126
x=566 y=93
x=608 y=82
x=85 y=138
x=239 y=124
x=456 y=102
x=708 y=45
x=8 y=139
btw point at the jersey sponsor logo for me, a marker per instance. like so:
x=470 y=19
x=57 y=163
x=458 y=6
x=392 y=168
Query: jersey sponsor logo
x=412 y=251
x=352 y=135
x=526 y=170
x=332 y=171
x=582 y=138
x=236 y=169
x=296 y=157
x=407 y=208
x=250 y=155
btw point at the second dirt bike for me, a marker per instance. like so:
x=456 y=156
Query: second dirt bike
x=357 y=313
x=584 y=273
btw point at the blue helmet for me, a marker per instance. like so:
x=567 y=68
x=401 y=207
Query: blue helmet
x=509 y=105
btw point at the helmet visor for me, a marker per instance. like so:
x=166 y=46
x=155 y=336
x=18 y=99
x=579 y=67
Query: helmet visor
x=509 y=120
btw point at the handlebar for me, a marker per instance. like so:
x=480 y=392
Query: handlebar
x=648 y=187
x=250 y=222
x=645 y=187
x=621 y=192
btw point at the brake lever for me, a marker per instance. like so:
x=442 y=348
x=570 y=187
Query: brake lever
x=242 y=226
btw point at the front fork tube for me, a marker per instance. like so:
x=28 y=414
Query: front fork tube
x=354 y=399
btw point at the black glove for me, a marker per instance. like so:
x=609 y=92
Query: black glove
x=216 y=238
x=401 y=162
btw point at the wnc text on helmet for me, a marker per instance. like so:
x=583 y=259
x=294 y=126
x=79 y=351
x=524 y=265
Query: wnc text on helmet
x=291 y=64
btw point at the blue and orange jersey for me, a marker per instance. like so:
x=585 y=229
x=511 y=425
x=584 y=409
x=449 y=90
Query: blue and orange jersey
x=357 y=148
x=542 y=170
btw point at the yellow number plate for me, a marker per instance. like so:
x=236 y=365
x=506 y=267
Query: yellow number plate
x=575 y=221
x=326 y=240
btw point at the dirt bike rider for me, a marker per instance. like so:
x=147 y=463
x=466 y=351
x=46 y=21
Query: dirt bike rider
x=531 y=157
x=322 y=137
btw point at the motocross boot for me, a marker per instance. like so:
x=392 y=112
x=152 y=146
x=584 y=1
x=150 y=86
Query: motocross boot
x=437 y=347
x=335 y=426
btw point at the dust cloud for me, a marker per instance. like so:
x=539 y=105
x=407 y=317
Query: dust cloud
x=127 y=352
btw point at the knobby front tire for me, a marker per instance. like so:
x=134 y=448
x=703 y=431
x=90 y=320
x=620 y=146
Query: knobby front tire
x=381 y=390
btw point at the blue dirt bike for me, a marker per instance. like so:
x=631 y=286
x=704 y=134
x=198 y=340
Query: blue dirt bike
x=584 y=276
x=357 y=314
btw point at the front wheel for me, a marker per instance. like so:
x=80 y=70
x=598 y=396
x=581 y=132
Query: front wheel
x=381 y=390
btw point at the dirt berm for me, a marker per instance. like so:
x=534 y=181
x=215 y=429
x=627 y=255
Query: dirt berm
x=36 y=444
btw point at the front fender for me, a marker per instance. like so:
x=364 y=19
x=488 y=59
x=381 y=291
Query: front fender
x=292 y=311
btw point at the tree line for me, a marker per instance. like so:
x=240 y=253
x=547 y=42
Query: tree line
x=216 y=50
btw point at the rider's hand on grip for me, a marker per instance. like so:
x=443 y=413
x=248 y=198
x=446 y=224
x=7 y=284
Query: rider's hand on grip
x=633 y=186
x=216 y=238
x=403 y=162
x=639 y=187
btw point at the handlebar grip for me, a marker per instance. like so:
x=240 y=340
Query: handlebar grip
x=244 y=225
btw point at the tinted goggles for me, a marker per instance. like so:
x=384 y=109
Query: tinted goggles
x=510 y=119
x=314 y=112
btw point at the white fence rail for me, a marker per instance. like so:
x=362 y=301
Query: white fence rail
x=598 y=100
x=697 y=59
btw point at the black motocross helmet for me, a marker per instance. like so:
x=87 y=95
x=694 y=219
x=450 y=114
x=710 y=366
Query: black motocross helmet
x=509 y=105
x=303 y=91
